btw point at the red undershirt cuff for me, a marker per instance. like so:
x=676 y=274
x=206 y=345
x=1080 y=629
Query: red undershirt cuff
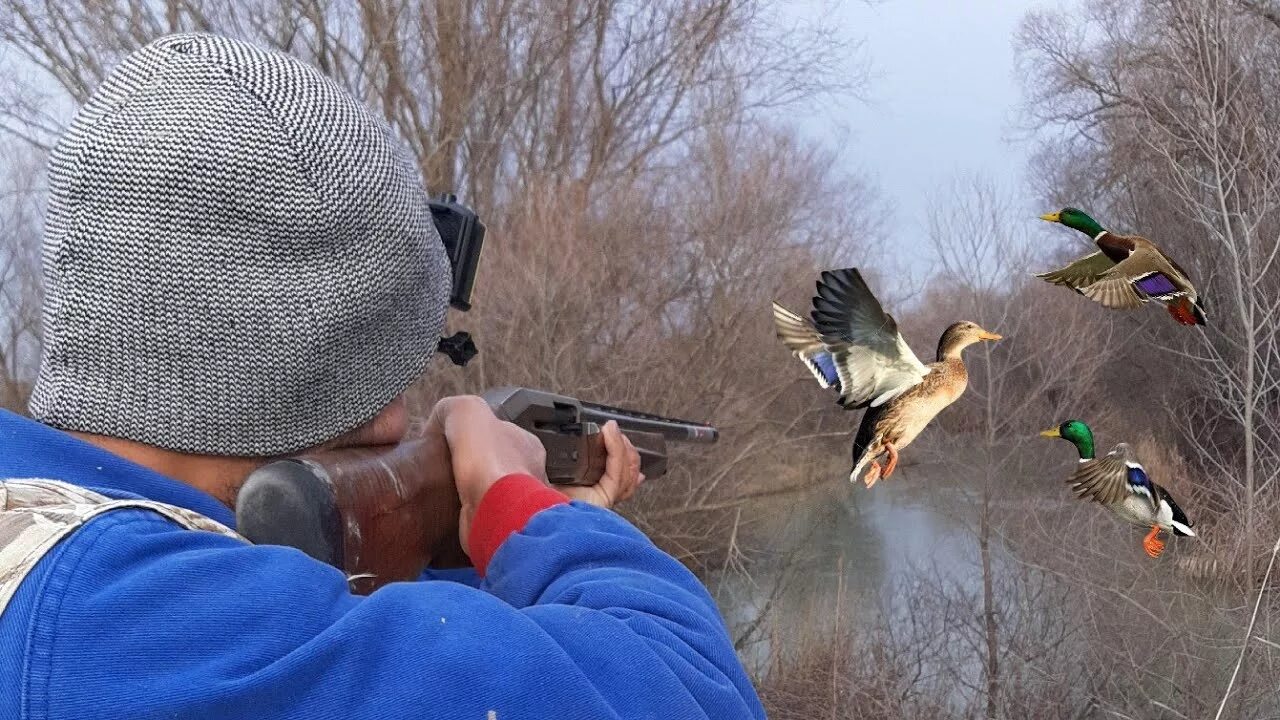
x=505 y=509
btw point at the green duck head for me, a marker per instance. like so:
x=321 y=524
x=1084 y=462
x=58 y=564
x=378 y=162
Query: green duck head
x=1075 y=219
x=1077 y=433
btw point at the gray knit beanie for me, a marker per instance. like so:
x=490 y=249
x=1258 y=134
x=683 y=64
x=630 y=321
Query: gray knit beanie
x=239 y=258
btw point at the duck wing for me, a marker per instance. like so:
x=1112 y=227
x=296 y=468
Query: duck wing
x=1151 y=273
x=805 y=343
x=1091 y=276
x=1108 y=480
x=1080 y=273
x=1140 y=484
x=872 y=361
x=1117 y=293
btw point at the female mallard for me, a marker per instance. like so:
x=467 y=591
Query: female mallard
x=1119 y=482
x=852 y=345
x=1126 y=272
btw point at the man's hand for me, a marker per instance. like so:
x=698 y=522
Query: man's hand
x=484 y=449
x=621 y=472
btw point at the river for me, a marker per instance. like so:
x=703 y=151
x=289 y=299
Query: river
x=875 y=540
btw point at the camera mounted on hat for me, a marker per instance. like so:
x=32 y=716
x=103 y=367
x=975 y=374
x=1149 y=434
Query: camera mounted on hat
x=462 y=233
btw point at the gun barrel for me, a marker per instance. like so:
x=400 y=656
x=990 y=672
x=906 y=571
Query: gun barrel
x=670 y=428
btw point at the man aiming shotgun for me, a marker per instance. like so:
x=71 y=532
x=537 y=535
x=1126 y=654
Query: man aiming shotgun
x=382 y=515
x=241 y=266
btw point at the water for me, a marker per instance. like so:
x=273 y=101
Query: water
x=901 y=562
x=877 y=540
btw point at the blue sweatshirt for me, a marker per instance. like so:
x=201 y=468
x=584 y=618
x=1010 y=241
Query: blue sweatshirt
x=579 y=615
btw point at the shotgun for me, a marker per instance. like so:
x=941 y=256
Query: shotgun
x=385 y=514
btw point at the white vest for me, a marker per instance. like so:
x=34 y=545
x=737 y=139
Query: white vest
x=36 y=514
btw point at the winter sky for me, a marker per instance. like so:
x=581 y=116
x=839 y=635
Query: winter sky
x=941 y=102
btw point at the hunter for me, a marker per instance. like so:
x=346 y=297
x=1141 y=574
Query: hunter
x=239 y=263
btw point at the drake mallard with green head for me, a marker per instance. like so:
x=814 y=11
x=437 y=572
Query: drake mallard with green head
x=1126 y=272
x=1120 y=483
x=853 y=346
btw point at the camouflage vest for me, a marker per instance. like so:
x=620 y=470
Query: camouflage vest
x=36 y=514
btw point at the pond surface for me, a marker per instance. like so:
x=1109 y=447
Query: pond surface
x=877 y=540
x=871 y=558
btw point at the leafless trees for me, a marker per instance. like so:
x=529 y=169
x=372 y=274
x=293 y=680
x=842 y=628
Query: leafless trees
x=1165 y=116
x=496 y=98
x=646 y=200
x=19 y=277
x=1174 y=105
x=643 y=205
x=1027 y=381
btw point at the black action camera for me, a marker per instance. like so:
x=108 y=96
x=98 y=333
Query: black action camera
x=462 y=233
x=463 y=236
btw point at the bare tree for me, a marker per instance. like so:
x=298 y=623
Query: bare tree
x=20 y=292
x=1015 y=387
x=1168 y=105
x=492 y=96
x=1175 y=98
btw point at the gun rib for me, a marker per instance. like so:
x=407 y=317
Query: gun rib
x=670 y=428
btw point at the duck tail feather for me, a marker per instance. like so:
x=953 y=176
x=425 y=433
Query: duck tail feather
x=1202 y=315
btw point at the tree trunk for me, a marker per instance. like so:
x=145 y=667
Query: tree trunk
x=452 y=28
x=989 y=610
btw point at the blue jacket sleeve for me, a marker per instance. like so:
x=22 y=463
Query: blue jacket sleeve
x=579 y=616
x=466 y=576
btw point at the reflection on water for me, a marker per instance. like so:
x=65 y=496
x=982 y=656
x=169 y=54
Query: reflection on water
x=875 y=538
x=1081 y=616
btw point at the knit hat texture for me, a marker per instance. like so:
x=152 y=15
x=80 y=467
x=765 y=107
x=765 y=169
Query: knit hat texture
x=239 y=258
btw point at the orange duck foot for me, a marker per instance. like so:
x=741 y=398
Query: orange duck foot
x=893 y=459
x=873 y=474
x=1151 y=543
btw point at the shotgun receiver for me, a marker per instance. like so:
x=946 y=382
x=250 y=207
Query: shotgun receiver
x=385 y=514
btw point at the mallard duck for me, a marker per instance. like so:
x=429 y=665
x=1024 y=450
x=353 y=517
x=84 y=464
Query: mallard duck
x=1126 y=272
x=853 y=346
x=1120 y=483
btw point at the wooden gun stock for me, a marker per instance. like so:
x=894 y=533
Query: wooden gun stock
x=385 y=514
x=380 y=514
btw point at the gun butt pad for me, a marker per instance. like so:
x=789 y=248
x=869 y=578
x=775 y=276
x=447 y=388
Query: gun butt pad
x=292 y=503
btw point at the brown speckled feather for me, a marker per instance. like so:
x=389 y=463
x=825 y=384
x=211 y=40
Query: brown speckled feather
x=1104 y=479
x=1116 y=293
x=902 y=419
x=1080 y=273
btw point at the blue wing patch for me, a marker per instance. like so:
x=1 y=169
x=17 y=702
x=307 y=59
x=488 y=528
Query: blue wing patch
x=827 y=366
x=1156 y=284
x=1140 y=484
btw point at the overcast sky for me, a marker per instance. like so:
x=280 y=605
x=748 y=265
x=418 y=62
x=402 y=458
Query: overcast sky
x=941 y=102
